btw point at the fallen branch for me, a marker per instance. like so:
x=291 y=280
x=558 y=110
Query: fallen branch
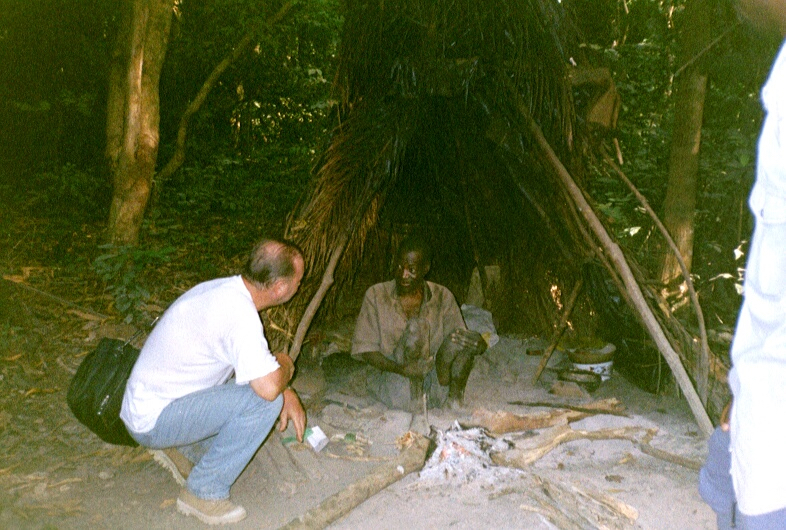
x=609 y=406
x=20 y=283
x=569 y=507
x=532 y=449
x=412 y=458
x=647 y=449
x=502 y=422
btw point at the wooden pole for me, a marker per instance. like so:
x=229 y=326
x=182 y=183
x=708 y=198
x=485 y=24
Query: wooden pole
x=558 y=332
x=621 y=264
x=703 y=371
x=316 y=300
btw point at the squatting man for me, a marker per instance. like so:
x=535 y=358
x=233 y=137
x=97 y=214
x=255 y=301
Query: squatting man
x=206 y=388
x=412 y=334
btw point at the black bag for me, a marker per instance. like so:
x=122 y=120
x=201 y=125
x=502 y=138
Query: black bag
x=96 y=391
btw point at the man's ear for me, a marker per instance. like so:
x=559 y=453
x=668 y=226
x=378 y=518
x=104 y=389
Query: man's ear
x=279 y=287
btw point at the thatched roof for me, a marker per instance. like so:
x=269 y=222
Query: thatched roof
x=427 y=134
x=433 y=133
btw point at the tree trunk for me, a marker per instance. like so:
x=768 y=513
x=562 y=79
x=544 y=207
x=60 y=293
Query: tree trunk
x=690 y=88
x=133 y=113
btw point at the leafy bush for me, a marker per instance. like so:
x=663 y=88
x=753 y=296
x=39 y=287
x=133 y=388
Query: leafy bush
x=121 y=268
x=67 y=190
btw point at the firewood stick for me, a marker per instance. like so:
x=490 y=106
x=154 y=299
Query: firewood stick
x=647 y=449
x=410 y=459
x=532 y=449
x=588 y=409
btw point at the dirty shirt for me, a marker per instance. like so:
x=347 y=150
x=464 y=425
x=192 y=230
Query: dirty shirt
x=210 y=332
x=758 y=376
x=381 y=323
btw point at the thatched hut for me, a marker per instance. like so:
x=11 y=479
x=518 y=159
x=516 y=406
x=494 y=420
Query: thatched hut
x=434 y=131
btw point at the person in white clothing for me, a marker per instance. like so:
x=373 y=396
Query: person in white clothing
x=744 y=479
x=206 y=389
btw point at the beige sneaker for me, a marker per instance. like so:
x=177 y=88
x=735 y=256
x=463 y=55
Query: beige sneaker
x=175 y=462
x=210 y=512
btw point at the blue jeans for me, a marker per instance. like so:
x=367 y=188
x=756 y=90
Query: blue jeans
x=717 y=490
x=224 y=425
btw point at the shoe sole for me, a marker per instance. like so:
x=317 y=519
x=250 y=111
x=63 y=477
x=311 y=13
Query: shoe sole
x=166 y=462
x=187 y=509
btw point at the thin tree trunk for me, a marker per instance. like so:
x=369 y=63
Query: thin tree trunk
x=116 y=97
x=137 y=149
x=690 y=88
x=179 y=155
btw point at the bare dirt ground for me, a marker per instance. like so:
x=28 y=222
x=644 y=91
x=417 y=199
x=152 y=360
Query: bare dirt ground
x=54 y=473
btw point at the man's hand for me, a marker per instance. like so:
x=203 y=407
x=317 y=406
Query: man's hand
x=417 y=368
x=469 y=340
x=292 y=410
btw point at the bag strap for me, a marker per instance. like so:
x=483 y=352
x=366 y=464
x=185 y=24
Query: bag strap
x=140 y=331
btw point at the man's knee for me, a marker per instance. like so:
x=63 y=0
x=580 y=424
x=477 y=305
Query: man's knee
x=260 y=409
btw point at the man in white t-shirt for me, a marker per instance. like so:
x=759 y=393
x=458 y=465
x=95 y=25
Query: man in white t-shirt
x=182 y=393
x=744 y=478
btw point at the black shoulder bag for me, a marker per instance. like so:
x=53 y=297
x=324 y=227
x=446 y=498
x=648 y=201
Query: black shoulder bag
x=96 y=391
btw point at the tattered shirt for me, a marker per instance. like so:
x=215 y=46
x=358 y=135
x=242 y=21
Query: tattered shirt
x=382 y=320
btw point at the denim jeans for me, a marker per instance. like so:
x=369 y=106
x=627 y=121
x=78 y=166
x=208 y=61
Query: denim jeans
x=226 y=424
x=715 y=487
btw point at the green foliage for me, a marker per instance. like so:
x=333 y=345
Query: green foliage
x=274 y=97
x=643 y=57
x=65 y=190
x=121 y=268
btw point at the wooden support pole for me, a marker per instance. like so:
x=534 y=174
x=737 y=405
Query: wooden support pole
x=702 y=375
x=558 y=332
x=618 y=259
x=316 y=300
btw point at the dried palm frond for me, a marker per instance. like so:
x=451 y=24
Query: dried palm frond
x=427 y=133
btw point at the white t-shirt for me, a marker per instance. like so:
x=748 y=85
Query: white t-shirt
x=208 y=333
x=758 y=376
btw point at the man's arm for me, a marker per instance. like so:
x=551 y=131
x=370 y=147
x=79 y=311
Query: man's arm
x=459 y=341
x=271 y=385
x=417 y=368
x=292 y=410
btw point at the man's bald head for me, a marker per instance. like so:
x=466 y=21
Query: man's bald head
x=272 y=260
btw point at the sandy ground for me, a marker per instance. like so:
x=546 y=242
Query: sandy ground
x=91 y=484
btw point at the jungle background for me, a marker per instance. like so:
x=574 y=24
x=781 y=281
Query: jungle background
x=69 y=275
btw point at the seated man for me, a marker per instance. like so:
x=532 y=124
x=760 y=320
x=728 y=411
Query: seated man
x=412 y=333
x=180 y=394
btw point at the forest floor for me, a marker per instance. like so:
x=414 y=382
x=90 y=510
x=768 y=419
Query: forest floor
x=54 y=473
